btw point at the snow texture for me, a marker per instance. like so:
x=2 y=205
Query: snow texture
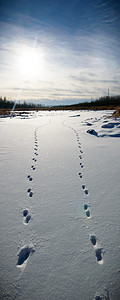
x=59 y=206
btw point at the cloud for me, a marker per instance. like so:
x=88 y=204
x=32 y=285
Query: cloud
x=108 y=13
x=73 y=66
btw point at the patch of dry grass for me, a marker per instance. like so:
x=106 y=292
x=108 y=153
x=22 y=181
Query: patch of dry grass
x=116 y=113
x=4 y=112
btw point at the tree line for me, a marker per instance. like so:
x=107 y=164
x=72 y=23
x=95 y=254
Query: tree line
x=103 y=102
x=9 y=104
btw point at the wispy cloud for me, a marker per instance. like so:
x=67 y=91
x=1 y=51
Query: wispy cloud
x=109 y=12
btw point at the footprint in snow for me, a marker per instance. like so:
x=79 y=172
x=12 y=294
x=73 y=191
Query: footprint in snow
x=80 y=157
x=86 y=192
x=80 y=175
x=86 y=206
x=30 y=193
x=81 y=151
x=25 y=212
x=34 y=159
x=24 y=254
x=27 y=219
x=81 y=165
x=32 y=167
x=93 y=240
x=87 y=211
x=83 y=186
x=26 y=216
x=30 y=178
x=98 y=253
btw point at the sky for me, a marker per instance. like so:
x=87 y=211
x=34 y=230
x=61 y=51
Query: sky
x=59 y=51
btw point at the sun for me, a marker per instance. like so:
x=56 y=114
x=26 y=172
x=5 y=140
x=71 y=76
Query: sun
x=30 y=63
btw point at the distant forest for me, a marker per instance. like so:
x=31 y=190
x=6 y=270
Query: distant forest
x=107 y=102
x=9 y=104
x=103 y=102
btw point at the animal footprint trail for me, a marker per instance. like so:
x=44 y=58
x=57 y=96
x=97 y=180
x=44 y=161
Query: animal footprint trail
x=98 y=250
x=27 y=250
x=33 y=168
x=30 y=178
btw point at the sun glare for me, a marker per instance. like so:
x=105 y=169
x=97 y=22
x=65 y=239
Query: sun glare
x=30 y=63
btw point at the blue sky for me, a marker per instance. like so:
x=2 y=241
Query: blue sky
x=59 y=51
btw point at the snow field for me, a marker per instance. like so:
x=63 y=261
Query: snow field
x=59 y=206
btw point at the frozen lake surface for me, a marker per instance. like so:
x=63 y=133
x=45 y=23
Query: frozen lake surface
x=60 y=206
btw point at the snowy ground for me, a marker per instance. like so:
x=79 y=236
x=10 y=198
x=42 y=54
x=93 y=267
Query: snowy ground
x=59 y=206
